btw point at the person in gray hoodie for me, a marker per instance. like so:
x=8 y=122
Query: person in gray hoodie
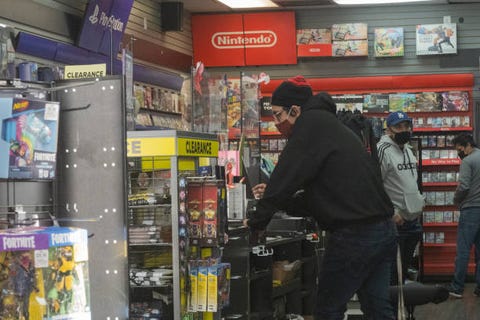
x=399 y=173
x=467 y=198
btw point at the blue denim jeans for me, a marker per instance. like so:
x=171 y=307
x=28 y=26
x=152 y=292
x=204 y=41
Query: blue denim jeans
x=468 y=234
x=357 y=259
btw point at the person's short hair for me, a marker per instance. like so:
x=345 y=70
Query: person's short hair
x=463 y=139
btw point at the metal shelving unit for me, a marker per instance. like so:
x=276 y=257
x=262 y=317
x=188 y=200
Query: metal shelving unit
x=158 y=164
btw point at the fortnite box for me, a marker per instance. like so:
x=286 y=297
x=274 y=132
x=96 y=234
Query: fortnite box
x=28 y=139
x=44 y=274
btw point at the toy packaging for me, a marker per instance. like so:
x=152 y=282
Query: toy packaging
x=202 y=288
x=44 y=274
x=218 y=291
x=28 y=140
x=215 y=208
x=195 y=211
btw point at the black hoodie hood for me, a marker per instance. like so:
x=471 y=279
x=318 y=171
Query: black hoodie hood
x=321 y=101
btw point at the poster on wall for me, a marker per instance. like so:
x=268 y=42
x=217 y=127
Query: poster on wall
x=375 y=102
x=349 y=39
x=433 y=39
x=350 y=48
x=405 y=102
x=349 y=102
x=428 y=102
x=455 y=101
x=349 y=31
x=314 y=42
x=388 y=42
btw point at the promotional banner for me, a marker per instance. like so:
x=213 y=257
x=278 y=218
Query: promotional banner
x=103 y=25
x=266 y=38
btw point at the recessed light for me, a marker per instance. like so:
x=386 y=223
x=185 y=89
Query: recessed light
x=358 y=2
x=246 y=4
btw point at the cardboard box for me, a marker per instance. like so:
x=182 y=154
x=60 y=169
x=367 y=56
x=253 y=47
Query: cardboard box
x=28 y=140
x=46 y=275
x=284 y=271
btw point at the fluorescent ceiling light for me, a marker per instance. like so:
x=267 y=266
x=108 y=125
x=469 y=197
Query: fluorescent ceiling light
x=246 y=4
x=343 y=2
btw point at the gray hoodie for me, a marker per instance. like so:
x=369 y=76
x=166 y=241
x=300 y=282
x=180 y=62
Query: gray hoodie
x=468 y=190
x=399 y=174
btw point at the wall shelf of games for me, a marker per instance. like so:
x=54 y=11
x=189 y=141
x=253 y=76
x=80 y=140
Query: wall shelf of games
x=441 y=106
x=159 y=108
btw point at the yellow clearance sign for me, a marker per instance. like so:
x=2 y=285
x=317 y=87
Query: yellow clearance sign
x=149 y=147
x=85 y=71
x=197 y=147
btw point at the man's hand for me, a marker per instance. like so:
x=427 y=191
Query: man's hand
x=245 y=222
x=259 y=190
x=398 y=219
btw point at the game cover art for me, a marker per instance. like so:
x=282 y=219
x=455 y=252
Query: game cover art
x=349 y=31
x=402 y=102
x=375 y=103
x=436 y=39
x=29 y=137
x=314 y=36
x=314 y=42
x=455 y=101
x=349 y=102
x=388 y=42
x=350 y=48
x=428 y=101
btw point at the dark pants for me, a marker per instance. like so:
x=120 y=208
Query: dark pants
x=468 y=234
x=408 y=237
x=357 y=259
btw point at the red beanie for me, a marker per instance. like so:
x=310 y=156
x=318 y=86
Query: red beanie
x=294 y=91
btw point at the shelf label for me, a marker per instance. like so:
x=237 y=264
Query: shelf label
x=440 y=162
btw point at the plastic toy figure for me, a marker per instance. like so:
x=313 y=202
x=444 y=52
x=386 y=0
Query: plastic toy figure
x=63 y=276
x=210 y=212
x=22 y=277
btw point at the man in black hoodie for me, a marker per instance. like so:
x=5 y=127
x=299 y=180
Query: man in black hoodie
x=343 y=191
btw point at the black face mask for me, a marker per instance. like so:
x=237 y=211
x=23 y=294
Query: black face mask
x=402 y=137
x=461 y=154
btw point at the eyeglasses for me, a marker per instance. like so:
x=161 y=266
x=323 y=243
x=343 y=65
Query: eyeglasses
x=278 y=115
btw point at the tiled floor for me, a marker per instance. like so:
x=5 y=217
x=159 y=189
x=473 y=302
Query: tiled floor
x=467 y=308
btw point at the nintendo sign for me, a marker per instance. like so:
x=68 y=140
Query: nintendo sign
x=244 y=39
x=247 y=39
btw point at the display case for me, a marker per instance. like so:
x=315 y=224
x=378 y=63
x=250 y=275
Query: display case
x=159 y=166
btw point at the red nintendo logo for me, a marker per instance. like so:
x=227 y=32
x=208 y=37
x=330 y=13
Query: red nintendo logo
x=247 y=39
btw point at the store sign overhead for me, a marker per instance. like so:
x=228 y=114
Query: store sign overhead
x=249 y=39
x=103 y=25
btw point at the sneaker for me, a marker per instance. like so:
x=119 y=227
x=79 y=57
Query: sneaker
x=477 y=291
x=453 y=292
